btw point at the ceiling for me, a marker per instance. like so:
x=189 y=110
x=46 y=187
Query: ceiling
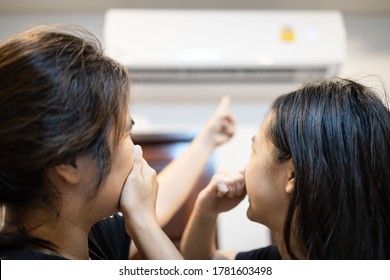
x=348 y=7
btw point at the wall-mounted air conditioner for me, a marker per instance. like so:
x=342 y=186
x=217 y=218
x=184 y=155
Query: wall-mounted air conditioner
x=214 y=46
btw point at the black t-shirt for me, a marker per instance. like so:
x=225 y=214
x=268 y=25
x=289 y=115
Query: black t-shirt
x=267 y=253
x=26 y=254
x=107 y=240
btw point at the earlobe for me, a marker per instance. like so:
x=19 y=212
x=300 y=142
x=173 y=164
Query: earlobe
x=69 y=173
x=290 y=185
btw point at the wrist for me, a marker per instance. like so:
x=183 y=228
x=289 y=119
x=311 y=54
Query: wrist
x=137 y=224
x=204 y=143
x=204 y=213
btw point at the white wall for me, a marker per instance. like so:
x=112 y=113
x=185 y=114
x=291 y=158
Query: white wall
x=12 y=23
x=368 y=48
x=368 y=53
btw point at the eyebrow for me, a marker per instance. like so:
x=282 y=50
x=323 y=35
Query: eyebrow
x=253 y=138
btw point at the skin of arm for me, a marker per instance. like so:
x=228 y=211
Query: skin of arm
x=179 y=177
x=224 y=192
x=137 y=203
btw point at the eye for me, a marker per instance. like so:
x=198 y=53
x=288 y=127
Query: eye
x=252 y=148
x=129 y=130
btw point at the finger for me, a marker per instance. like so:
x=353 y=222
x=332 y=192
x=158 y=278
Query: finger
x=240 y=188
x=222 y=188
x=225 y=123
x=228 y=126
x=240 y=184
x=223 y=104
x=138 y=160
x=147 y=170
x=235 y=183
x=230 y=182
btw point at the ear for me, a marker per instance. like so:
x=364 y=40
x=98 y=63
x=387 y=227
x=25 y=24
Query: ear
x=69 y=173
x=291 y=177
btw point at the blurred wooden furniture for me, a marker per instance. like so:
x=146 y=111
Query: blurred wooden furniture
x=158 y=151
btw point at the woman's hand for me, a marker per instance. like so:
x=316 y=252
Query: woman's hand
x=224 y=192
x=138 y=204
x=138 y=198
x=220 y=127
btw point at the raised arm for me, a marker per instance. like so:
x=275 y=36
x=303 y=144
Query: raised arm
x=178 y=178
x=224 y=192
x=137 y=203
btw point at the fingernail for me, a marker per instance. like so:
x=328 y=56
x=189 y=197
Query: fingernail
x=222 y=186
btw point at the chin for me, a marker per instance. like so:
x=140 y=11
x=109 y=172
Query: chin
x=250 y=214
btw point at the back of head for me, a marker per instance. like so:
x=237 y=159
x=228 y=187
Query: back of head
x=337 y=133
x=60 y=97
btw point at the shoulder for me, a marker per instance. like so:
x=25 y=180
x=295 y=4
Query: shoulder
x=266 y=253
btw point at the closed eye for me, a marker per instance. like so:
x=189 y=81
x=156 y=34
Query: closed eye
x=129 y=129
x=253 y=140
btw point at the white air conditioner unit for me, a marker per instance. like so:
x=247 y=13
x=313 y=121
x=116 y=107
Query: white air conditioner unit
x=214 y=46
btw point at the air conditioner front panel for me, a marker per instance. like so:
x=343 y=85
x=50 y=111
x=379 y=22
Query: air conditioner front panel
x=228 y=43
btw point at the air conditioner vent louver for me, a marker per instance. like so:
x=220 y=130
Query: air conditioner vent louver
x=235 y=75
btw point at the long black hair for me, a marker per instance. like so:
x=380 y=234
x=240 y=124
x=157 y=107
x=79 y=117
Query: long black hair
x=337 y=133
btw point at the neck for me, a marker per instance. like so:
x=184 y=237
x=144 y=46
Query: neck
x=69 y=237
x=279 y=241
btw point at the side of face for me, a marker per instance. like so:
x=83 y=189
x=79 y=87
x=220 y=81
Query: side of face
x=122 y=162
x=77 y=184
x=269 y=182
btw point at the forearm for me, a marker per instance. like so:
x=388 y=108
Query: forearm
x=224 y=192
x=180 y=176
x=153 y=244
x=177 y=180
x=198 y=240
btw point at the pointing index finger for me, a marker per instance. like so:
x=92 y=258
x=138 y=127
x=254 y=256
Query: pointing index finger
x=223 y=104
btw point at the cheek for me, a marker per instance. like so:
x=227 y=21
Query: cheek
x=253 y=181
x=250 y=180
x=126 y=157
x=259 y=188
x=254 y=177
x=109 y=194
x=121 y=166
